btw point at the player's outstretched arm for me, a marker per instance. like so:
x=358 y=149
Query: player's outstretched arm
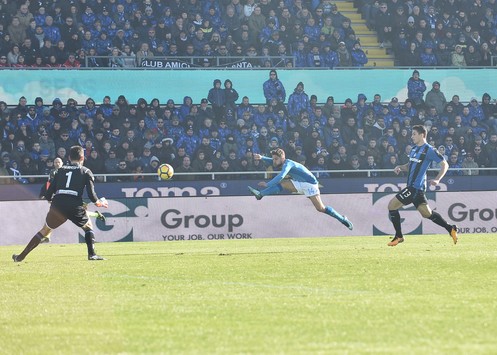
x=102 y=202
x=444 y=166
x=400 y=168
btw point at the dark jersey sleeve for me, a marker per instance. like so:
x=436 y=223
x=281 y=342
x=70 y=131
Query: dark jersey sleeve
x=90 y=186
x=50 y=190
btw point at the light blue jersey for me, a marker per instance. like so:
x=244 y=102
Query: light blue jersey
x=295 y=170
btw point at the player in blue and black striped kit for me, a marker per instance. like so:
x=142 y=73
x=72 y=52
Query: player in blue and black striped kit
x=301 y=181
x=420 y=159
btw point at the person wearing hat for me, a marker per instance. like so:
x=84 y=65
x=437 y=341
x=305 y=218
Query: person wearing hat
x=230 y=96
x=428 y=58
x=217 y=98
x=274 y=89
x=337 y=18
x=384 y=25
x=415 y=89
x=436 y=98
x=344 y=57
x=420 y=158
x=301 y=181
x=298 y=101
x=457 y=56
x=327 y=108
x=399 y=18
x=190 y=141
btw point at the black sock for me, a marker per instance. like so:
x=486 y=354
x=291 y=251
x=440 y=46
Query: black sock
x=395 y=218
x=33 y=243
x=436 y=218
x=90 y=240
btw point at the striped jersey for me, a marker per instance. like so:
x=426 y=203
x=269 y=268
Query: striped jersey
x=420 y=159
x=296 y=171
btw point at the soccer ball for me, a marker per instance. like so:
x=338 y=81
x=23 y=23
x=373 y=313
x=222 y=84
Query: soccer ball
x=165 y=172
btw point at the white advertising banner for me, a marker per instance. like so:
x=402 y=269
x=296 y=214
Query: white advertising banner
x=211 y=218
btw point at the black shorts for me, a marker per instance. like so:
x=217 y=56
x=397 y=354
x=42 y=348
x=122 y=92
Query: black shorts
x=410 y=195
x=61 y=211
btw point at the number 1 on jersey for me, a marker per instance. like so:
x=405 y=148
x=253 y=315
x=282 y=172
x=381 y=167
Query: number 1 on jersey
x=68 y=181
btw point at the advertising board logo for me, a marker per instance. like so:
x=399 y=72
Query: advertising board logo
x=411 y=219
x=173 y=219
x=119 y=220
x=460 y=212
x=170 y=191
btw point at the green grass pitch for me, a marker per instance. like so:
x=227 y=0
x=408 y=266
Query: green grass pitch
x=314 y=295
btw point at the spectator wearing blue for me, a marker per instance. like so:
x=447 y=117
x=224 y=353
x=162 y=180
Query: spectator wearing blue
x=300 y=55
x=298 y=101
x=31 y=119
x=217 y=98
x=416 y=88
x=267 y=31
x=89 y=109
x=190 y=141
x=359 y=58
x=185 y=107
x=362 y=107
x=466 y=116
x=454 y=164
x=427 y=57
x=40 y=16
x=103 y=44
x=330 y=57
x=223 y=130
x=274 y=89
x=314 y=58
x=88 y=17
x=312 y=29
x=105 y=18
x=476 y=110
x=244 y=106
x=106 y=107
x=230 y=96
x=51 y=31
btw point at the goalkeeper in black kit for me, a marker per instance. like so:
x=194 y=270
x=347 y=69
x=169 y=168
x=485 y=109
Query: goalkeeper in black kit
x=66 y=194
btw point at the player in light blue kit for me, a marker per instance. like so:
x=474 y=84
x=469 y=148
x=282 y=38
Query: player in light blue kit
x=420 y=159
x=301 y=181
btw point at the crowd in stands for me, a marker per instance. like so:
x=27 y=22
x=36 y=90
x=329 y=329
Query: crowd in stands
x=64 y=33
x=221 y=135
x=435 y=33
x=302 y=33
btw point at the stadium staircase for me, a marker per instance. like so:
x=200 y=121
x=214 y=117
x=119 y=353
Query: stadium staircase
x=377 y=57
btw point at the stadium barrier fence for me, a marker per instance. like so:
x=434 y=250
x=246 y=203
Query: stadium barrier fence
x=234 y=217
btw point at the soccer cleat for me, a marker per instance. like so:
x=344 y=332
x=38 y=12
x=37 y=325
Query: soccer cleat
x=255 y=192
x=395 y=241
x=15 y=258
x=453 y=233
x=44 y=240
x=100 y=216
x=347 y=223
x=95 y=257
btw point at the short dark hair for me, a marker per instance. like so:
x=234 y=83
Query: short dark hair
x=278 y=152
x=420 y=129
x=76 y=153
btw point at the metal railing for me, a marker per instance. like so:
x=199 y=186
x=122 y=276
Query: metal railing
x=184 y=62
x=218 y=175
